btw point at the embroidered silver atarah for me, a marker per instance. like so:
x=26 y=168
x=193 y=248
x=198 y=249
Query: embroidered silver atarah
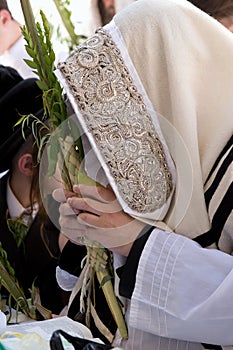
x=117 y=117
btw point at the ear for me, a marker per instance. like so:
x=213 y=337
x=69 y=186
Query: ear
x=5 y=16
x=25 y=164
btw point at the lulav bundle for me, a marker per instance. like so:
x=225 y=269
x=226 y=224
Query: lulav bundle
x=98 y=258
x=65 y=149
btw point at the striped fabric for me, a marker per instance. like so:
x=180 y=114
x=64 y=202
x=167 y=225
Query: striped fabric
x=219 y=202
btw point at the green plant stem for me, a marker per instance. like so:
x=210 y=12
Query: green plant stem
x=31 y=25
x=12 y=287
x=65 y=15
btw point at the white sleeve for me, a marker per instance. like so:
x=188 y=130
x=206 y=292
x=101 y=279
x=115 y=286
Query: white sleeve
x=65 y=280
x=183 y=291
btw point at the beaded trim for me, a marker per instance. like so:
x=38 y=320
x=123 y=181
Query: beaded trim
x=117 y=117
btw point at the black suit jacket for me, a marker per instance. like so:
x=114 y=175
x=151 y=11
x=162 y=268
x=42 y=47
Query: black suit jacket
x=36 y=261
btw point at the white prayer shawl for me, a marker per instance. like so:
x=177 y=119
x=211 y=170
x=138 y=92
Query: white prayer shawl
x=176 y=63
x=120 y=4
x=180 y=60
x=187 y=73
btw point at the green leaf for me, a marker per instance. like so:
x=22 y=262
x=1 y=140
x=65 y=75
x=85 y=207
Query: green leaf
x=52 y=150
x=20 y=121
x=30 y=51
x=42 y=85
x=65 y=15
x=30 y=63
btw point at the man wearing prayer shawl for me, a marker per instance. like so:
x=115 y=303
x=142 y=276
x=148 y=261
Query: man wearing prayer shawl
x=153 y=93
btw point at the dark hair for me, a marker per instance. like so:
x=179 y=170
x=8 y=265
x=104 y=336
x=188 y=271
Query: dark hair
x=215 y=8
x=106 y=14
x=35 y=194
x=30 y=146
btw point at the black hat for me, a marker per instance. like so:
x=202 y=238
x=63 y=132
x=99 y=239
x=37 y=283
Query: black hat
x=18 y=97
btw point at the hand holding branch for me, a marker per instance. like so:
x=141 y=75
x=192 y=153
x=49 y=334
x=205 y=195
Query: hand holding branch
x=95 y=213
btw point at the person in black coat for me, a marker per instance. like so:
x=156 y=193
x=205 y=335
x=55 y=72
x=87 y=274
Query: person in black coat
x=33 y=253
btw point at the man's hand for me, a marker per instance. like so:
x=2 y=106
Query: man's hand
x=94 y=212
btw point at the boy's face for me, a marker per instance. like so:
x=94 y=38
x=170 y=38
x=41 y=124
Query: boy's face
x=5 y=30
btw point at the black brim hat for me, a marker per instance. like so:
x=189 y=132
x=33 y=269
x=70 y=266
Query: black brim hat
x=18 y=97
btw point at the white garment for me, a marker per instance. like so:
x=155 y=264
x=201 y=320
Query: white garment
x=15 y=208
x=183 y=292
x=177 y=84
x=65 y=280
x=120 y=4
x=15 y=56
x=162 y=54
x=4 y=173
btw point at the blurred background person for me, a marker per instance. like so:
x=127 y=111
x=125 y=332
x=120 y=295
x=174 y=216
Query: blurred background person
x=221 y=10
x=106 y=10
x=96 y=13
x=12 y=43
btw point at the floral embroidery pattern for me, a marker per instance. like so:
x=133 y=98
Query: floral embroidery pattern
x=116 y=115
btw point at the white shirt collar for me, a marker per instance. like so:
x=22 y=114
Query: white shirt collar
x=14 y=206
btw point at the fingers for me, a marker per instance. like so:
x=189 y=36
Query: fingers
x=114 y=237
x=85 y=204
x=74 y=236
x=93 y=206
x=60 y=195
x=70 y=223
x=89 y=220
x=95 y=221
x=96 y=195
x=100 y=193
x=94 y=213
x=66 y=210
x=70 y=226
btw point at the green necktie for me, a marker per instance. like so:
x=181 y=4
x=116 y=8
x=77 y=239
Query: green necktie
x=19 y=226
